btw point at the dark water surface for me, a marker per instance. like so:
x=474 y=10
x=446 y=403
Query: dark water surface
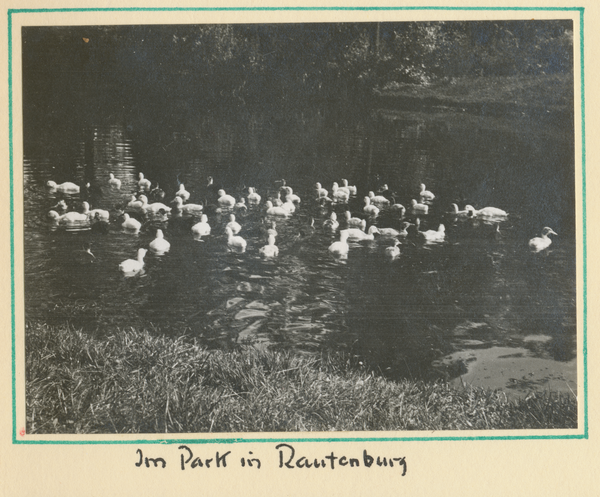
x=479 y=306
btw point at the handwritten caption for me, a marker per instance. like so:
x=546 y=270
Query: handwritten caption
x=284 y=456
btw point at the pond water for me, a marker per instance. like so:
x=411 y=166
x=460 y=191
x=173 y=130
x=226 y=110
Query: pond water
x=479 y=308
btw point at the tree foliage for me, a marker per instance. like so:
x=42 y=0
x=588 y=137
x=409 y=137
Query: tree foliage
x=285 y=60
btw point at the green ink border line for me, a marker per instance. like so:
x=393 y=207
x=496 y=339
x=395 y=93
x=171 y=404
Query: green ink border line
x=271 y=9
x=231 y=440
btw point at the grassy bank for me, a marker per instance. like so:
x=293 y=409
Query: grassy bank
x=547 y=92
x=134 y=382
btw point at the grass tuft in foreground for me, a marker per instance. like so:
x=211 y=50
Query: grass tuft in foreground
x=134 y=382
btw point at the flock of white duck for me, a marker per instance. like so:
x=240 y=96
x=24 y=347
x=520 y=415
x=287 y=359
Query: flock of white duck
x=282 y=204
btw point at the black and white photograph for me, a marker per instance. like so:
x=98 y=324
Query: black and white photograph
x=300 y=227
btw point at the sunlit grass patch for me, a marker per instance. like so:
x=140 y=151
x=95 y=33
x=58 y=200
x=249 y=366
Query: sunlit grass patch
x=550 y=92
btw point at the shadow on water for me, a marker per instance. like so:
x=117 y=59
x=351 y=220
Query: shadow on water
x=473 y=292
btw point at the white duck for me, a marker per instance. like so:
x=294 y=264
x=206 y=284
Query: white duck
x=434 y=236
x=54 y=216
x=202 y=228
x=289 y=206
x=253 y=197
x=340 y=248
x=225 y=201
x=269 y=250
x=351 y=189
x=418 y=209
x=73 y=218
x=133 y=266
x=331 y=223
x=135 y=204
x=355 y=222
x=291 y=196
x=487 y=213
x=383 y=231
x=66 y=187
x=114 y=182
x=233 y=225
x=235 y=243
x=369 y=208
x=144 y=183
x=159 y=244
x=91 y=214
x=455 y=211
x=276 y=211
x=426 y=194
x=130 y=223
x=357 y=235
x=321 y=192
x=183 y=193
x=191 y=209
x=540 y=243
x=338 y=194
x=153 y=208
x=378 y=200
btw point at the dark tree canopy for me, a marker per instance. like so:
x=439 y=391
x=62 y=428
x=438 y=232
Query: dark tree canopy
x=211 y=63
